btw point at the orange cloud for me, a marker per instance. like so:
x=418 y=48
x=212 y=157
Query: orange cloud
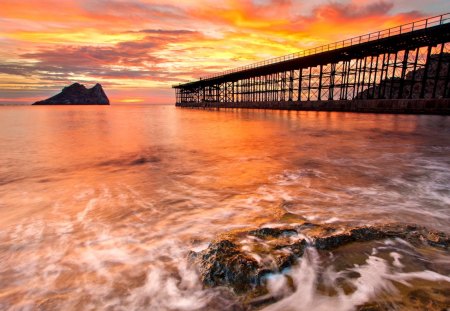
x=148 y=45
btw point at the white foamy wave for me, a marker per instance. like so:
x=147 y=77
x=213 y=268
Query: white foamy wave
x=300 y=176
x=375 y=277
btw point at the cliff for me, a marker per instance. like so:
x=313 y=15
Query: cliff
x=78 y=94
x=412 y=84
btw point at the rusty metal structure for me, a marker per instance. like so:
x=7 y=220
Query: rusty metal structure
x=410 y=61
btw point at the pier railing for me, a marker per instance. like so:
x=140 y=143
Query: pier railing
x=374 y=36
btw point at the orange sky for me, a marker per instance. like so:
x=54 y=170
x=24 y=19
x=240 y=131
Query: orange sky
x=137 y=49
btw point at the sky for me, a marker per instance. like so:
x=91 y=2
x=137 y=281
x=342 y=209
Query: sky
x=138 y=49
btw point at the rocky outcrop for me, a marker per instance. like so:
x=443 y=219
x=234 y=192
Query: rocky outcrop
x=242 y=260
x=412 y=84
x=224 y=263
x=78 y=94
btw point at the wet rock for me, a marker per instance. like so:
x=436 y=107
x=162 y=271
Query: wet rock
x=413 y=234
x=437 y=239
x=421 y=299
x=242 y=259
x=273 y=232
x=375 y=306
x=224 y=264
x=370 y=307
x=360 y=234
x=333 y=241
x=78 y=94
x=420 y=295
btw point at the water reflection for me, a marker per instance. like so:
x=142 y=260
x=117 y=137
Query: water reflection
x=100 y=205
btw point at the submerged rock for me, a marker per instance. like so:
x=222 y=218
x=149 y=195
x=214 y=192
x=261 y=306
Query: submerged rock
x=244 y=259
x=78 y=94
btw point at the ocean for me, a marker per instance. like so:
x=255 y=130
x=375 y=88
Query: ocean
x=101 y=205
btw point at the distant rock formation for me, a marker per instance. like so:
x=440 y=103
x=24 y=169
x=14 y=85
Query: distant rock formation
x=412 y=85
x=78 y=94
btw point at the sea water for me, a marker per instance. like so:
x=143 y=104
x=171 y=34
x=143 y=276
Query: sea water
x=100 y=205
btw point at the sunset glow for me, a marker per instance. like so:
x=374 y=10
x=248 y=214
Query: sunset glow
x=138 y=49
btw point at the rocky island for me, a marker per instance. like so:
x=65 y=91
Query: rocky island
x=78 y=94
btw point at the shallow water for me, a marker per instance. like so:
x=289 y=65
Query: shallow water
x=99 y=206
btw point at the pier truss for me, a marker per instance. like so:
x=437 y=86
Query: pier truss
x=406 y=62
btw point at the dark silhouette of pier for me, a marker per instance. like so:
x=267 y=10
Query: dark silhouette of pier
x=405 y=69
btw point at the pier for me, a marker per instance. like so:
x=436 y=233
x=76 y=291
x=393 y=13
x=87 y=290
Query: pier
x=404 y=69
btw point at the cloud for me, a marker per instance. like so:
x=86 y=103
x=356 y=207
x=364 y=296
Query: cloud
x=167 y=32
x=338 y=10
x=156 y=43
x=130 y=59
x=132 y=12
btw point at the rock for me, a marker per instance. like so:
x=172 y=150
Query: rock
x=224 y=264
x=242 y=260
x=413 y=234
x=78 y=94
x=424 y=299
x=372 y=306
x=273 y=232
x=361 y=234
x=437 y=239
x=413 y=90
x=376 y=306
